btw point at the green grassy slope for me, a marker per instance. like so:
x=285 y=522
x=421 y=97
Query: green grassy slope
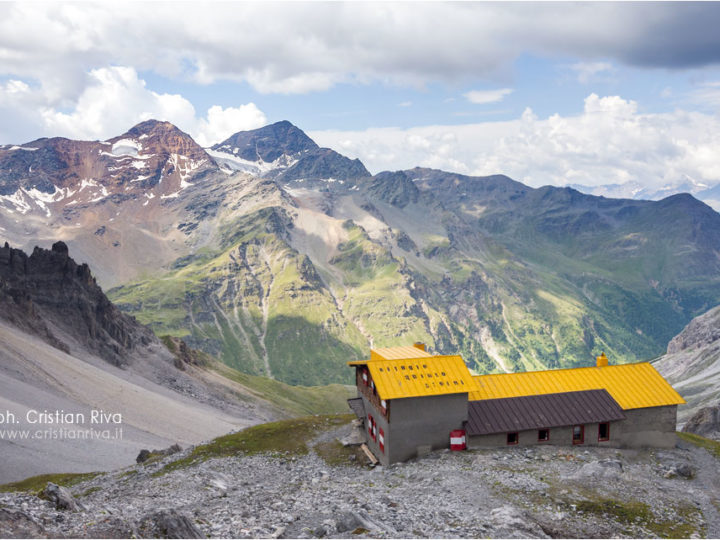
x=510 y=277
x=256 y=303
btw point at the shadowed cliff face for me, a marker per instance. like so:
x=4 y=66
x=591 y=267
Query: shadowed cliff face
x=48 y=292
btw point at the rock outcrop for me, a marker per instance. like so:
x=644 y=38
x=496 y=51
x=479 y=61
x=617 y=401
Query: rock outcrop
x=50 y=295
x=701 y=331
x=705 y=422
x=692 y=366
x=169 y=524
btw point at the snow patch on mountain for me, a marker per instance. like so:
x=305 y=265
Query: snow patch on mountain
x=17 y=200
x=230 y=162
x=22 y=148
x=127 y=147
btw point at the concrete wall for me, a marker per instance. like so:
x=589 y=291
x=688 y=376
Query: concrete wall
x=648 y=427
x=417 y=422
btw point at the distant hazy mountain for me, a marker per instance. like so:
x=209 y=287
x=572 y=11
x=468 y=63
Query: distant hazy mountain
x=285 y=259
x=708 y=193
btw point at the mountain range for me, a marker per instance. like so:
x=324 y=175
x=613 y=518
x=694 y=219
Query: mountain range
x=285 y=260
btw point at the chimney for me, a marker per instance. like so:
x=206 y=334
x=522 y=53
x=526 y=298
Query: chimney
x=419 y=345
x=602 y=360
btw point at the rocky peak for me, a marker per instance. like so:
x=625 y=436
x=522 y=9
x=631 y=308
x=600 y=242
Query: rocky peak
x=46 y=173
x=157 y=137
x=50 y=295
x=267 y=144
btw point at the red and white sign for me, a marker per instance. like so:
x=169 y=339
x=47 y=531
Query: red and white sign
x=457 y=439
x=381 y=440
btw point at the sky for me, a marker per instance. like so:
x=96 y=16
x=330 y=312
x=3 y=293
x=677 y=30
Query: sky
x=547 y=93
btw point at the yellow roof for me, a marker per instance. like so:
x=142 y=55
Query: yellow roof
x=392 y=353
x=396 y=353
x=633 y=386
x=423 y=376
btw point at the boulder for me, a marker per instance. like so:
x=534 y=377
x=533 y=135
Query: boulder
x=145 y=454
x=60 y=497
x=169 y=524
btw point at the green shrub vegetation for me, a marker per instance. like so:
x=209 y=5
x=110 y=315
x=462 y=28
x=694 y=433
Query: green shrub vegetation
x=638 y=513
x=286 y=437
x=710 y=445
x=293 y=400
x=36 y=484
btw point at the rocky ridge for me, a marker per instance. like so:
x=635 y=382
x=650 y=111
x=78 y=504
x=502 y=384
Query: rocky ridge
x=537 y=492
x=48 y=289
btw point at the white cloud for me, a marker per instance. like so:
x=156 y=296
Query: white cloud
x=113 y=100
x=588 y=71
x=487 y=96
x=221 y=123
x=609 y=142
x=298 y=47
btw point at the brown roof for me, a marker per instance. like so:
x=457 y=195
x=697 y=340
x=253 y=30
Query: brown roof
x=541 y=411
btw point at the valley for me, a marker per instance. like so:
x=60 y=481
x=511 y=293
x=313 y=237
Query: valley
x=285 y=260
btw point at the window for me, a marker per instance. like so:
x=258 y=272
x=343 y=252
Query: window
x=578 y=434
x=604 y=431
x=512 y=438
x=543 y=435
x=381 y=440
